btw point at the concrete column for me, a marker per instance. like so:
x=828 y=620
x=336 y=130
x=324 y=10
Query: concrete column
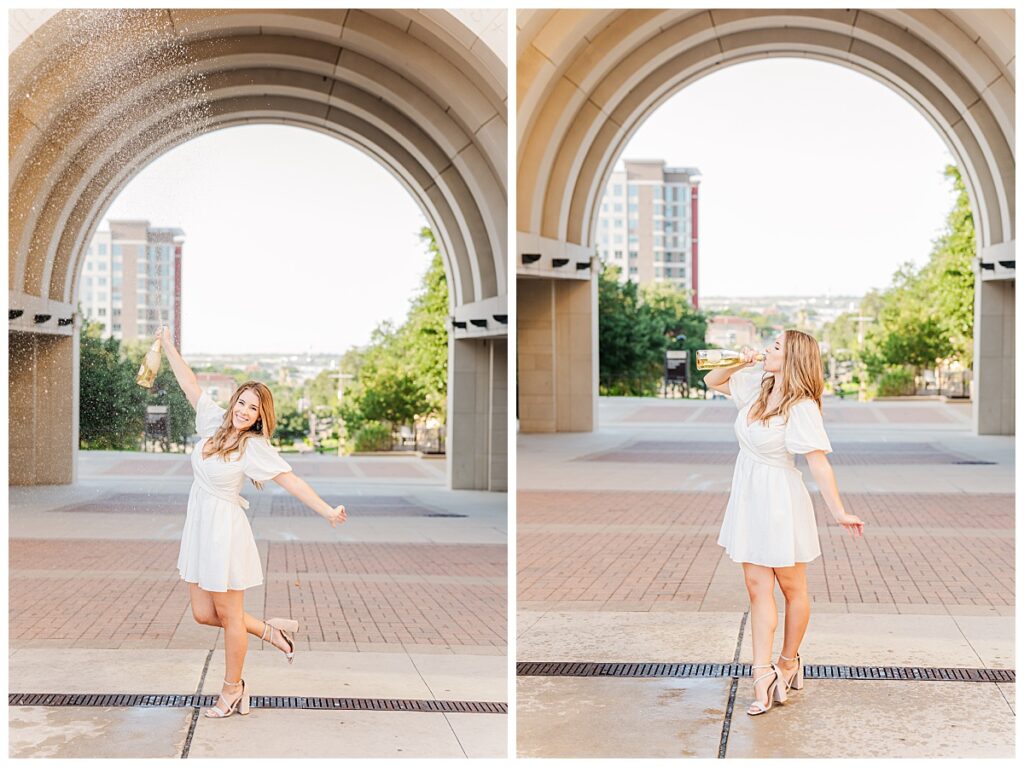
x=994 y=356
x=558 y=358
x=43 y=408
x=535 y=368
x=477 y=414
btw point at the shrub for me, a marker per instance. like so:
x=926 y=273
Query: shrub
x=372 y=436
x=896 y=382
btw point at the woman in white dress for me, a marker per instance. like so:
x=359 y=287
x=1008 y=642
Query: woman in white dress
x=769 y=523
x=218 y=556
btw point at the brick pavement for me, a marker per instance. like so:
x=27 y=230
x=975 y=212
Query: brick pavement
x=658 y=550
x=99 y=593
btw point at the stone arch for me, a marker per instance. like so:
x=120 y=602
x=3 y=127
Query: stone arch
x=97 y=95
x=589 y=79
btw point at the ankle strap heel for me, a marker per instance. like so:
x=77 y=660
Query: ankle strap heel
x=797 y=682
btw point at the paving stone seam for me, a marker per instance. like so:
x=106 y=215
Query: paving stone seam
x=733 y=686
x=195 y=709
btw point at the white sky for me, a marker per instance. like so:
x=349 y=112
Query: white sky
x=295 y=241
x=815 y=178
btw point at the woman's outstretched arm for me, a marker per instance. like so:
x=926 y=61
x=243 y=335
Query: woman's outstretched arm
x=301 y=490
x=823 y=475
x=186 y=378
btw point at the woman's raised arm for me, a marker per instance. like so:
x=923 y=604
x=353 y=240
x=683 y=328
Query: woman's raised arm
x=718 y=378
x=186 y=378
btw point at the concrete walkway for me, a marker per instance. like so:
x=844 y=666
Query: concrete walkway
x=405 y=601
x=618 y=562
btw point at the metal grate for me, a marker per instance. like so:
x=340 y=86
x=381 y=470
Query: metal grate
x=256 y=701
x=706 y=670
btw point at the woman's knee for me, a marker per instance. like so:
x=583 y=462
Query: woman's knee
x=759 y=584
x=205 y=617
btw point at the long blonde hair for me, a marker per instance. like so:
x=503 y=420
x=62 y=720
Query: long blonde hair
x=224 y=441
x=802 y=377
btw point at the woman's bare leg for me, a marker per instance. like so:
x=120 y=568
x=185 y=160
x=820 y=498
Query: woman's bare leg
x=793 y=582
x=760 y=581
x=236 y=641
x=204 y=612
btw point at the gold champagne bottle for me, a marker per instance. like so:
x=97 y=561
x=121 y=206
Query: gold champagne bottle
x=720 y=358
x=149 y=367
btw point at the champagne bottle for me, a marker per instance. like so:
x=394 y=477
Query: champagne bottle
x=720 y=358
x=149 y=367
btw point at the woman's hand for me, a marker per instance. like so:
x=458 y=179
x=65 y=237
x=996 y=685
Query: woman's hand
x=338 y=516
x=852 y=524
x=749 y=356
x=164 y=335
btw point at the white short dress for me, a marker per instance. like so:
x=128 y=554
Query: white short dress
x=770 y=520
x=218 y=550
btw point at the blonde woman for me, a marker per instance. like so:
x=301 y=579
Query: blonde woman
x=769 y=523
x=218 y=556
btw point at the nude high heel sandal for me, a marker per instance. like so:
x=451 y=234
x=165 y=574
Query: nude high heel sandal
x=776 y=690
x=283 y=626
x=796 y=682
x=239 y=704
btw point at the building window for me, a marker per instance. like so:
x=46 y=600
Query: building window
x=116 y=250
x=632 y=191
x=102 y=248
x=101 y=312
x=632 y=270
x=633 y=255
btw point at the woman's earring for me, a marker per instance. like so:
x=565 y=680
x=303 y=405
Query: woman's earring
x=258 y=426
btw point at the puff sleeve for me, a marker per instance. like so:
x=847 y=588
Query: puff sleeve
x=261 y=462
x=209 y=415
x=805 y=429
x=744 y=385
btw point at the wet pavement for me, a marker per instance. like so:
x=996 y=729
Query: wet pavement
x=404 y=602
x=617 y=562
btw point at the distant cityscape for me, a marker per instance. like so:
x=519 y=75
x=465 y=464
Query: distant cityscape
x=811 y=311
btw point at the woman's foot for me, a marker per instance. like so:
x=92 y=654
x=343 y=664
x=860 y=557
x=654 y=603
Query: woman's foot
x=766 y=688
x=230 y=696
x=280 y=633
x=788 y=669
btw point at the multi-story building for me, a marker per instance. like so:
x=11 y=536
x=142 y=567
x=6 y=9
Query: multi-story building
x=219 y=386
x=131 y=280
x=731 y=332
x=647 y=225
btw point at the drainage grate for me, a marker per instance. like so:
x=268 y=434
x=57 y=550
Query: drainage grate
x=257 y=701
x=897 y=673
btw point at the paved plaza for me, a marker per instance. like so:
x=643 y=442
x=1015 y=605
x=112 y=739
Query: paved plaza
x=402 y=606
x=618 y=564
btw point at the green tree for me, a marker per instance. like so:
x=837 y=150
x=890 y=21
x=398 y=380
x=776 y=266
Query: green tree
x=683 y=326
x=635 y=327
x=402 y=374
x=111 y=405
x=393 y=398
x=927 y=313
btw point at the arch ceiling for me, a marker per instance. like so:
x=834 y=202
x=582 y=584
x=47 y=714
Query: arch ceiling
x=587 y=79
x=97 y=95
